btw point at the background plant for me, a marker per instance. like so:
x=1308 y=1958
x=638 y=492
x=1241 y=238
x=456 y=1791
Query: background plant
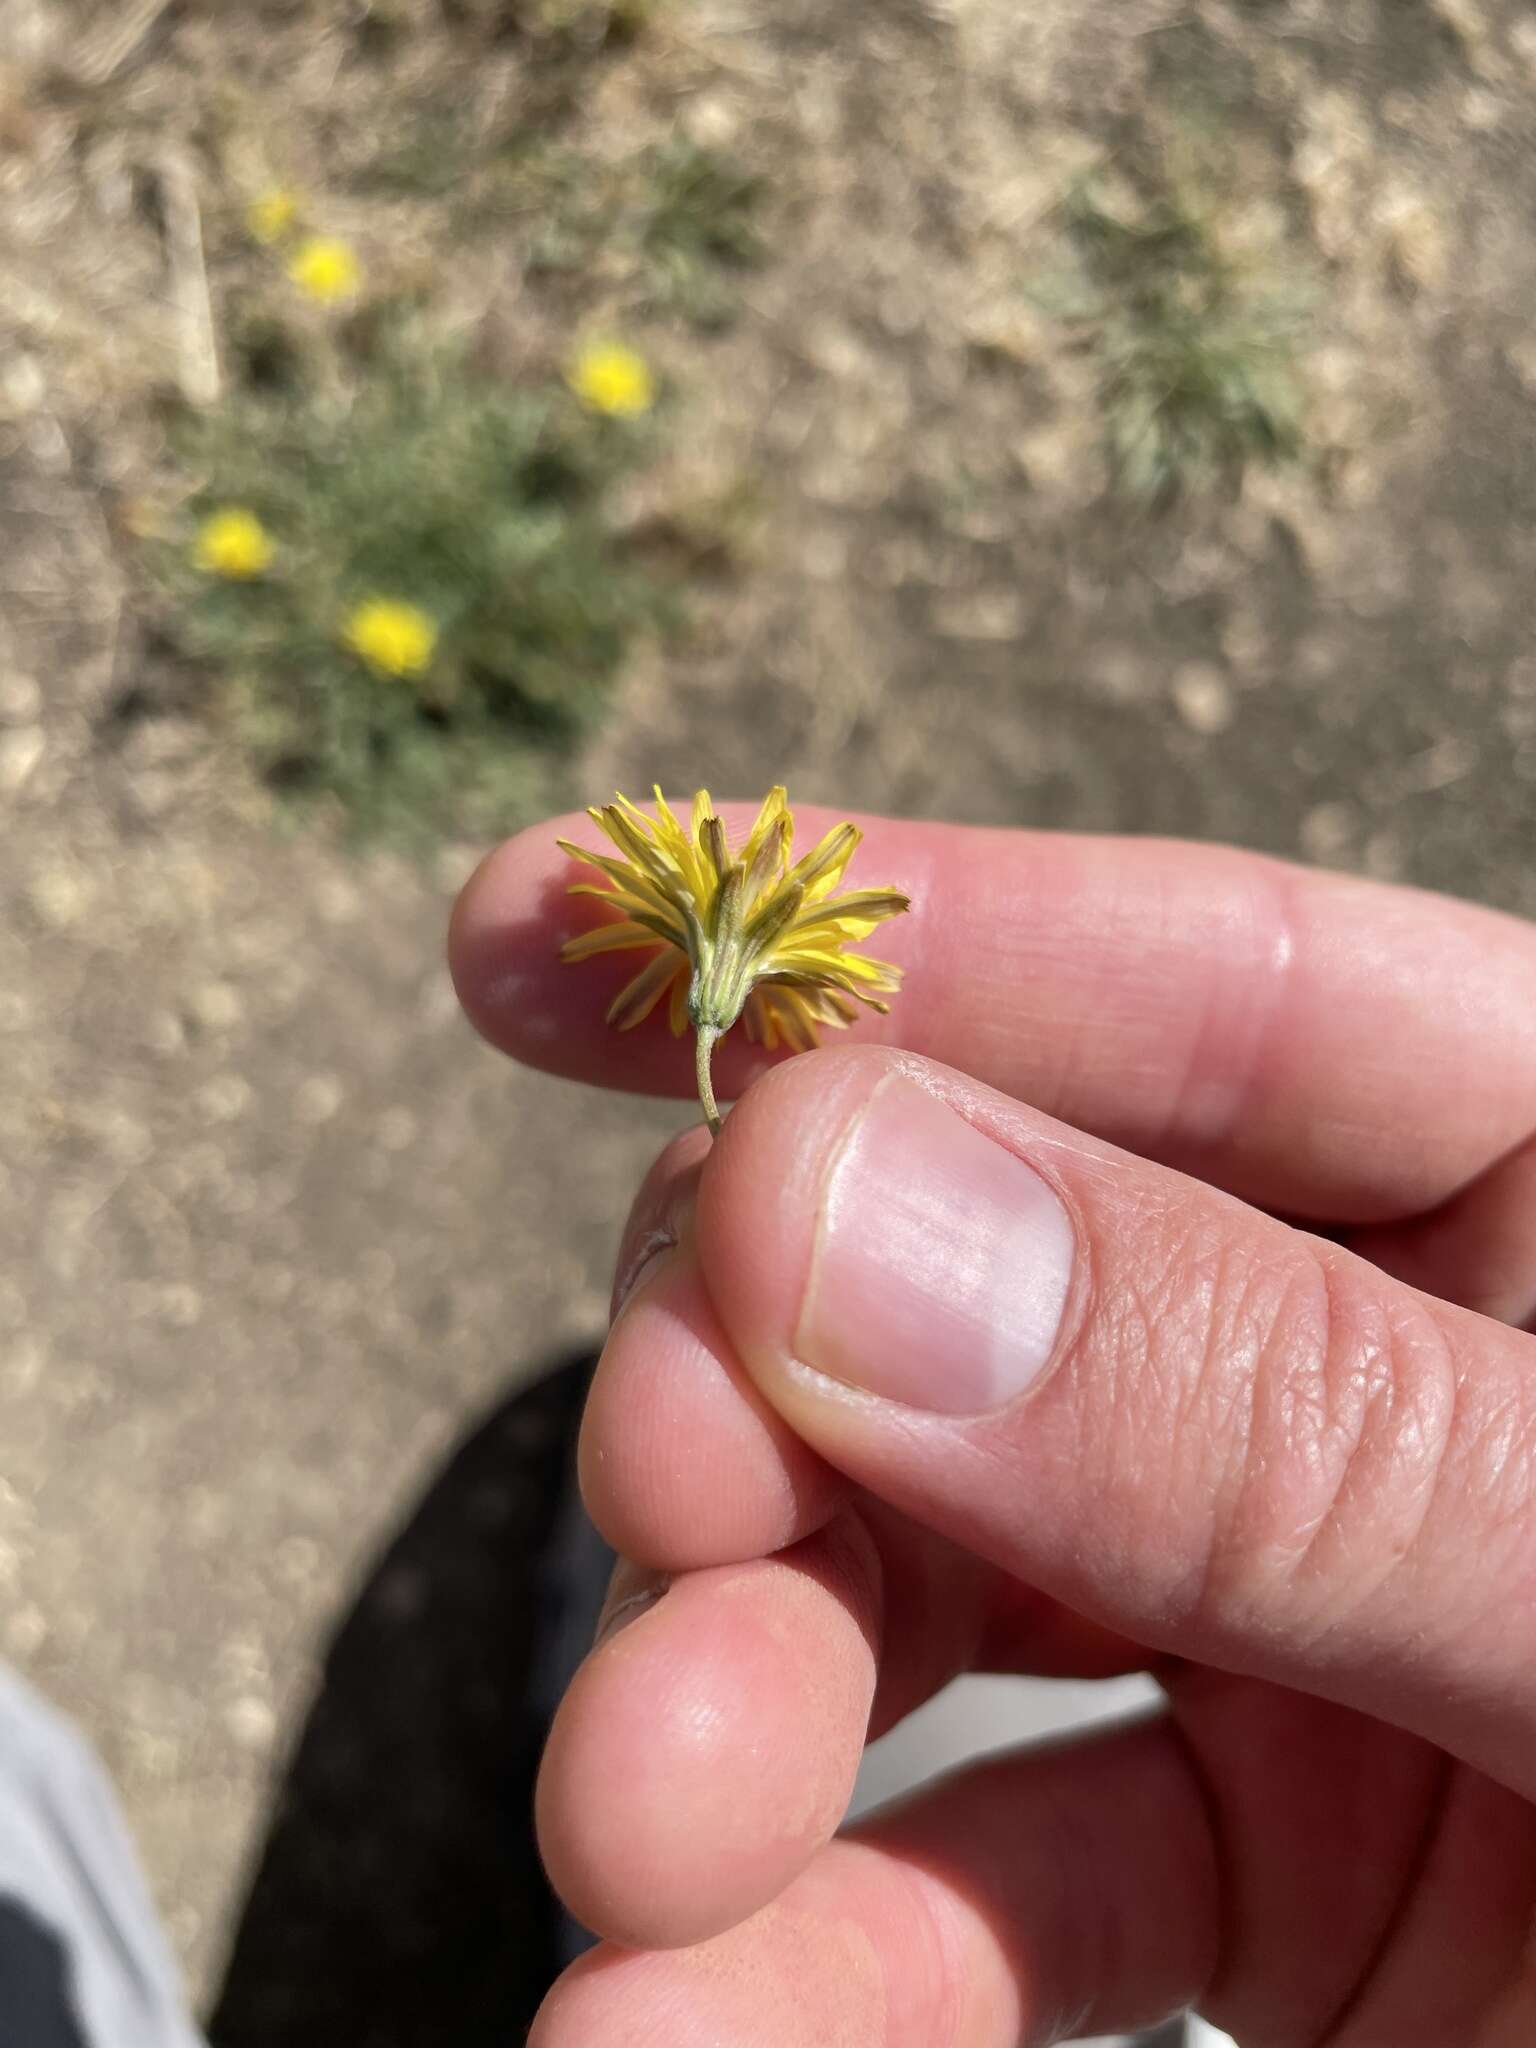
x=396 y=447
x=1197 y=332
x=426 y=485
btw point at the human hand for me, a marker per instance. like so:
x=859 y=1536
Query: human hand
x=912 y=1377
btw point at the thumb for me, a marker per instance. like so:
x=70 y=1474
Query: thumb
x=1224 y=1437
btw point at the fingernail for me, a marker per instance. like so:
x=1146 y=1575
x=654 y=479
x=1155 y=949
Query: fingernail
x=942 y=1262
x=631 y=1593
x=644 y=1261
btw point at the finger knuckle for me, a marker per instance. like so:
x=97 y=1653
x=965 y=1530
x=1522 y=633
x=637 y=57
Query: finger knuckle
x=1349 y=1415
x=1291 y=1411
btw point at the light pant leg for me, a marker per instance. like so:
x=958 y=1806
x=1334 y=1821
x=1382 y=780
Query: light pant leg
x=83 y=1961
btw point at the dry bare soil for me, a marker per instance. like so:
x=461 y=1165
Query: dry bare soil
x=277 y=1228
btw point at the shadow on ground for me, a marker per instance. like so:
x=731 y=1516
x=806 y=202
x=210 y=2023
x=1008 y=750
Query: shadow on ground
x=398 y=1900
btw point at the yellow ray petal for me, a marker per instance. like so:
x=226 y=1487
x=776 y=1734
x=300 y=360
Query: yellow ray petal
x=821 y=869
x=642 y=850
x=865 y=907
x=677 y=1014
x=636 y=1000
x=627 y=900
x=659 y=927
x=702 y=808
x=607 y=938
x=831 y=1008
x=666 y=814
x=678 y=846
x=629 y=878
x=767 y=863
x=796 y=1027
x=775 y=806
x=759 y=1019
x=636 y=816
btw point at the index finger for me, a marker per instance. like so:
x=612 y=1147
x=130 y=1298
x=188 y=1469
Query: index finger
x=1331 y=1047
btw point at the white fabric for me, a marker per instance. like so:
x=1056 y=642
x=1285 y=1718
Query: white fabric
x=77 y=1930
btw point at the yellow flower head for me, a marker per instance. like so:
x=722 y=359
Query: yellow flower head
x=752 y=935
x=608 y=377
x=233 y=543
x=325 y=269
x=395 y=638
x=272 y=215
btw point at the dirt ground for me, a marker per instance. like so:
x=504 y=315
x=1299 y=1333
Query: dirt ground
x=278 y=1228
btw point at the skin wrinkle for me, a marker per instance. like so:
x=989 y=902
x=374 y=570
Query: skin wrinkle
x=1291 y=1383
x=1138 y=1378
x=1122 y=1384
x=1403 y=1416
x=1492 y=1469
x=1227 y=1366
x=1327 y=1405
x=1356 y=1403
x=1505 y=1451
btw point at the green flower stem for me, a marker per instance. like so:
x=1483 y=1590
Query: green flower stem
x=703 y=1047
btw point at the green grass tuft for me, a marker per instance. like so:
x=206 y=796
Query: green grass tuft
x=697 y=217
x=426 y=483
x=677 y=221
x=1199 y=348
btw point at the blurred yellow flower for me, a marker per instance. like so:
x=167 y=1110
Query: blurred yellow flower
x=325 y=269
x=608 y=377
x=233 y=543
x=272 y=215
x=397 y=639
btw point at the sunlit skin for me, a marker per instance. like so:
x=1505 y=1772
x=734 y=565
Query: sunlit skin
x=1285 y=1457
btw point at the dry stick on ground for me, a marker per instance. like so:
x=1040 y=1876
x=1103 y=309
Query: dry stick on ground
x=196 y=342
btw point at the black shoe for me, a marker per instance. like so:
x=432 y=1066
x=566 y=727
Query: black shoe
x=398 y=1901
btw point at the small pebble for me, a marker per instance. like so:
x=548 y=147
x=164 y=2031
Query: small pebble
x=1202 y=696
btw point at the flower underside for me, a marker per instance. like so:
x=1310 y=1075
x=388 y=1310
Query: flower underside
x=755 y=935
